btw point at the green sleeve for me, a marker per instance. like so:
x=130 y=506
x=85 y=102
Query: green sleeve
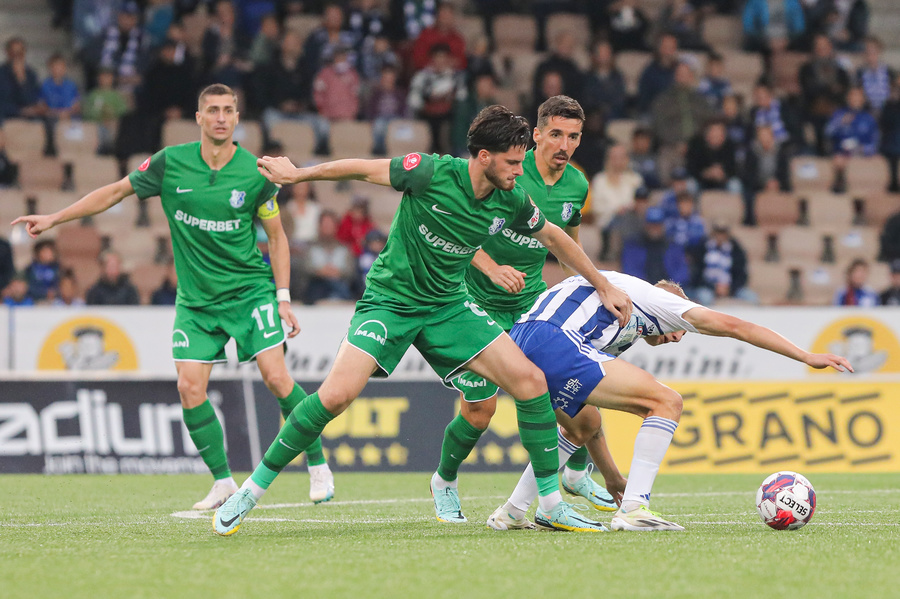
x=412 y=173
x=266 y=193
x=147 y=179
x=528 y=219
x=575 y=220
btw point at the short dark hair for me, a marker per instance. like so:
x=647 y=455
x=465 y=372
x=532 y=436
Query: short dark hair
x=559 y=106
x=216 y=89
x=440 y=48
x=497 y=129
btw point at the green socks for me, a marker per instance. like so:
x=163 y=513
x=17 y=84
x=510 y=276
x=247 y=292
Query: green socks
x=578 y=460
x=459 y=439
x=314 y=455
x=302 y=428
x=206 y=433
x=537 y=429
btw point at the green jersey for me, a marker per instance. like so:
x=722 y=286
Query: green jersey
x=210 y=217
x=561 y=204
x=439 y=226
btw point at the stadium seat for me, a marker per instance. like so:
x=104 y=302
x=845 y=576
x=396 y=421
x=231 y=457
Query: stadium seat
x=785 y=72
x=755 y=241
x=121 y=217
x=75 y=241
x=24 y=139
x=135 y=245
x=471 y=27
x=826 y=209
x=880 y=206
x=810 y=173
x=590 y=238
x=514 y=33
x=879 y=275
x=383 y=204
x=297 y=138
x=858 y=242
x=76 y=139
x=41 y=173
x=621 y=130
x=575 y=24
x=867 y=174
x=516 y=69
x=92 y=171
x=770 y=281
x=722 y=32
x=800 y=243
x=776 y=209
x=405 y=136
x=87 y=270
x=510 y=99
x=180 y=131
x=247 y=133
x=51 y=201
x=350 y=138
x=632 y=64
x=820 y=281
x=147 y=277
x=12 y=206
x=721 y=206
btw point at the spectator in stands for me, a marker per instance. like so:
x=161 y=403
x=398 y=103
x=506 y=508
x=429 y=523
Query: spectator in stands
x=264 y=48
x=336 y=88
x=366 y=22
x=158 y=17
x=331 y=266
x=683 y=20
x=58 y=92
x=767 y=110
x=712 y=160
x=20 y=92
x=595 y=143
x=679 y=182
x=120 y=47
x=165 y=294
x=890 y=135
x=7 y=266
x=16 y=293
x=688 y=229
x=625 y=227
x=824 y=83
x=482 y=95
x=626 y=25
x=372 y=246
x=874 y=76
x=183 y=53
x=551 y=85
x=432 y=94
x=604 y=84
x=644 y=160
x=653 y=257
x=612 y=191
x=355 y=225
x=169 y=90
x=479 y=61
x=735 y=124
x=9 y=171
x=68 y=294
x=659 y=74
x=853 y=132
x=891 y=295
x=714 y=86
x=857 y=292
x=386 y=101
x=679 y=112
x=561 y=61
x=377 y=57
x=225 y=48
x=890 y=239
x=720 y=269
x=303 y=208
x=766 y=168
x=321 y=42
x=846 y=22
x=773 y=25
x=408 y=18
x=113 y=288
x=42 y=274
x=444 y=32
x=105 y=105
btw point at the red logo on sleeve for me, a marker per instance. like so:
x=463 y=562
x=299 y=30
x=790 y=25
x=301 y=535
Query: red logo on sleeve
x=411 y=161
x=144 y=165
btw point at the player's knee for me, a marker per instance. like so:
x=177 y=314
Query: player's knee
x=192 y=391
x=479 y=414
x=335 y=399
x=669 y=404
x=279 y=383
x=530 y=383
x=581 y=433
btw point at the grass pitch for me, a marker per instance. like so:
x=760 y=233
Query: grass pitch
x=126 y=536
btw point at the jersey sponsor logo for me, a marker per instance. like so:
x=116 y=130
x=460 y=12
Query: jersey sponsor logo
x=464 y=382
x=145 y=165
x=522 y=240
x=373 y=329
x=207 y=225
x=443 y=244
x=535 y=218
x=436 y=209
x=180 y=339
x=567 y=211
x=497 y=225
x=237 y=198
x=411 y=161
x=87 y=343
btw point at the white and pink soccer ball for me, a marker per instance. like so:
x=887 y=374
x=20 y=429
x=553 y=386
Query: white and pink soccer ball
x=786 y=501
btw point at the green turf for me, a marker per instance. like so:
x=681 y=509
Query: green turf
x=92 y=536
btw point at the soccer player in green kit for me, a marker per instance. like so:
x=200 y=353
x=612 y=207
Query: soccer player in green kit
x=416 y=295
x=505 y=278
x=211 y=192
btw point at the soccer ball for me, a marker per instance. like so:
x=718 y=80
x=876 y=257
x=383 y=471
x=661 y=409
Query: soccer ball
x=786 y=501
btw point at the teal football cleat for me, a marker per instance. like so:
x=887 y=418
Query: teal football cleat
x=321 y=484
x=446 y=505
x=596 y=495
x=228 y=518
x=565 y=516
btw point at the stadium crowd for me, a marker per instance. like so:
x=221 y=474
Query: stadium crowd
x=691 y=136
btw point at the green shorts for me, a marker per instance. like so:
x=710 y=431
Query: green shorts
x=447 y=336
x=200 y=334
x=475 y=388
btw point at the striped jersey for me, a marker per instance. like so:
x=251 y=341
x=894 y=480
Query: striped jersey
x=575 y=307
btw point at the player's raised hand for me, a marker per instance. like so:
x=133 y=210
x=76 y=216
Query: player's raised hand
x=287 y=315
x=820 y=361
x=35 y=224
x=278 y=170
x=617 y=302
x=507 y=277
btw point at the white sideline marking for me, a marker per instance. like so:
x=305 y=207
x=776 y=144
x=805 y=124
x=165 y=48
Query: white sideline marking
x=741 y=523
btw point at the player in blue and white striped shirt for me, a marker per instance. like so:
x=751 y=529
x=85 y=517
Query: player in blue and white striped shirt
x=561 y=335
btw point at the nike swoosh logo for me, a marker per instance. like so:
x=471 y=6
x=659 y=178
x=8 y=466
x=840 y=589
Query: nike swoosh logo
x=229 y=522
x=179 y=190
x=204 y=449
x=549 y=449
x=288 y=446
x=267 y=335
x=436 y=209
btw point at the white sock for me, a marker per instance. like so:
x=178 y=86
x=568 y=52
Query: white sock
x=548 y=502
x=526 y=490
x=226 y=481
x=439 y=484
x=257 y=491
x=650 y=447
x=320 y=467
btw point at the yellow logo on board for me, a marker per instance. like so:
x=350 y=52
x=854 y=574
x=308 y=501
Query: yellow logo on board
x=87 y=343
x=869 y=344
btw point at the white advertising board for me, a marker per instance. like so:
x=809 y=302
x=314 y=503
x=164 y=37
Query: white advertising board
x=4 y=339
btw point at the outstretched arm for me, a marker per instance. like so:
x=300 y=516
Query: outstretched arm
x=502 y=275
x=283 y=172
x=93 y=203
x=280 y=256
x=717 y=324
x=573 y=233
x=570 y=253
